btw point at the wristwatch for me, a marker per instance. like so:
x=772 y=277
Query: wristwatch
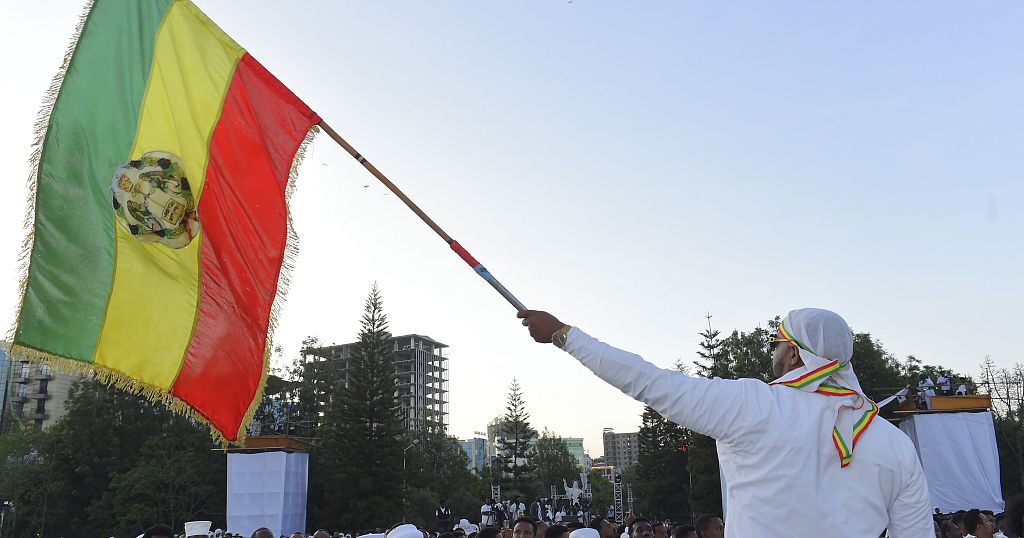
x=560 y=336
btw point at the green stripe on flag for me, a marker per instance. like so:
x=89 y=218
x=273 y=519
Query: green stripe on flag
x=91 y=131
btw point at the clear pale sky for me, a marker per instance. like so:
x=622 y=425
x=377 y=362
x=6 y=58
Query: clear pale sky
x=629 y=166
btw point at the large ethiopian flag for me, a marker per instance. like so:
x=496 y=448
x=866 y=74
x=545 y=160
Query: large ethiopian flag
x=161 y=220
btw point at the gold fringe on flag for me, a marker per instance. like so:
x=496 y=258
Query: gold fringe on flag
x=102 y=374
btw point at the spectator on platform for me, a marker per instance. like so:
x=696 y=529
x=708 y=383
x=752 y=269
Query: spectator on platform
x=487 y=514
x=443 y=517
x=262 y=532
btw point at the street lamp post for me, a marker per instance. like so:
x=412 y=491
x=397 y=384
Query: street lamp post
x=405 y=451
x=3 y=510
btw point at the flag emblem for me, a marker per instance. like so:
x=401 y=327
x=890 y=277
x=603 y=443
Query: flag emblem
x=153 y=201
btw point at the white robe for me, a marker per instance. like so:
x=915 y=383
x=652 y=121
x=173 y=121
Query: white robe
x=782 y=474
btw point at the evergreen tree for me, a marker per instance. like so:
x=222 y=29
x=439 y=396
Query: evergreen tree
x=662 y=488
x=713 y=362
x=706 y=487
x=749 y=354
x=514 y=442
x=360 y=458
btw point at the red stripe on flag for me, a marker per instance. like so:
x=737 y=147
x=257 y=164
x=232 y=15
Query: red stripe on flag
x=243 y=216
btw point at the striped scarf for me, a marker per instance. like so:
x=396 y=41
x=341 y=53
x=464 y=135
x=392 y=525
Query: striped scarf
x=825 y=344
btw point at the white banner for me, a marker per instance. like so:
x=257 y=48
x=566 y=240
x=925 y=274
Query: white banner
x=267 y=489
x=960 y=460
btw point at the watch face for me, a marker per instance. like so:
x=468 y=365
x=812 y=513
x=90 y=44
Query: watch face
x=558 y=339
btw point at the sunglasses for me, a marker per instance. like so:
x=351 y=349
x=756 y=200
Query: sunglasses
x=774 y=341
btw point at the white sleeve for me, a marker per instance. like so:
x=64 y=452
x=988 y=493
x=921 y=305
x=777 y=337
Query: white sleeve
x=910 y=514
x=723 y=409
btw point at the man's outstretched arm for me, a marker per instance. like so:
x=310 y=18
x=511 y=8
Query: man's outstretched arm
x=723 y=409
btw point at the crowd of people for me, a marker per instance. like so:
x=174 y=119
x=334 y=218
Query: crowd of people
x=707 y=526
x=973 y=523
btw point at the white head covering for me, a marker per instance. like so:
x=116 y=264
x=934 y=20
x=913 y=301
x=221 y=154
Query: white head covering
x=198 y=528
x=407 y=530
x=585 y=532
x=825 y=344
x=464 y=525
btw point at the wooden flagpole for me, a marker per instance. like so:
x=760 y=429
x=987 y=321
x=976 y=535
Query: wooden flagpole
x=462 y=252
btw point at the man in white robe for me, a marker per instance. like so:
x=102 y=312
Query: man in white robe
x=803 y=456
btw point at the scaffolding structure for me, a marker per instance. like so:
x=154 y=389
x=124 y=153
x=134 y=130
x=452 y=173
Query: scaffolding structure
x=421 y=372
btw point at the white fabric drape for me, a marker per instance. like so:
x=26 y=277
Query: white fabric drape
x=960 y=459
x=267 y=490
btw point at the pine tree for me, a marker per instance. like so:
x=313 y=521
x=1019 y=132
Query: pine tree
x=361 y=453
x=706 y=486
x=514 y=443
x=713 y=362
x=662 y=486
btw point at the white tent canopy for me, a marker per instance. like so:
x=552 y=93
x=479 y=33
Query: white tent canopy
x=960 y=460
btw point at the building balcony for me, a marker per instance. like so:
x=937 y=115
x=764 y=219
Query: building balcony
x=19 y=399
x=20 y=379
x=39 y=376
x=39 y=395
x=37 y=416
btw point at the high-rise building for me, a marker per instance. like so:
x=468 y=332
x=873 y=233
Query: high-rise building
x=493 y=435
x=575 y=447
x=421 y=369
x=621 y=449
x=476 y=449
x=32 y=393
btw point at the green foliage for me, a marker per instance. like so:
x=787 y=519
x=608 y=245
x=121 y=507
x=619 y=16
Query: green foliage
x=662 y=486
x=705 y=495
x=602 y=492
x=436 y=469
x=358 y=465
x=552 y=463
x=113 y=465
x=514 y=443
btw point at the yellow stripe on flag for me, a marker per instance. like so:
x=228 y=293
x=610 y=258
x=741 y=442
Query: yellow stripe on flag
x=155 y=294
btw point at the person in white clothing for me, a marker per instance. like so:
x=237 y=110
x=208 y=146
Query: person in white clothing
x=486 y=514
x=803 y=456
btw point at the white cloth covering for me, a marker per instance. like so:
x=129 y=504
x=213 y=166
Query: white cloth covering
x=198 y=528
x=407 y=530
x=959 y=456
x=585 y=532
x=774 y=451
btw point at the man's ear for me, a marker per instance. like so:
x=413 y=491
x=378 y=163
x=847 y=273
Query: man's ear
x=794 y=359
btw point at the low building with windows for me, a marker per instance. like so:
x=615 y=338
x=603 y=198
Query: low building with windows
x=33 y=394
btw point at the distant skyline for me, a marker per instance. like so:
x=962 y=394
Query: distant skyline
x=629 y=167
